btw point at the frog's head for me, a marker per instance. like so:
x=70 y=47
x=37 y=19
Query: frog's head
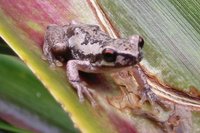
x=122 y=52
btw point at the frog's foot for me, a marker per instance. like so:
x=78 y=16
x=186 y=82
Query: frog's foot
x=55 y=63
x=83 y=90
x=147 y=95
x=58 y=63
x=44 y=57
x=72 y=69
x=52 y=60
x=145 y=91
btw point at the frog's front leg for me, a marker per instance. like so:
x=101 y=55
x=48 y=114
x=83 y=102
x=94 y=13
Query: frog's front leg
x=146 y=93
x=73 y=67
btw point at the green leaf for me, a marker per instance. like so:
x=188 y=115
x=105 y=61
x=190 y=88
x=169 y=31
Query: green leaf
x=171 y=33
x=24 y=98
x=5 y=49
x=8 y=128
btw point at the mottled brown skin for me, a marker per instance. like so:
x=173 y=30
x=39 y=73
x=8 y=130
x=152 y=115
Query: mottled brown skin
x=87 y=48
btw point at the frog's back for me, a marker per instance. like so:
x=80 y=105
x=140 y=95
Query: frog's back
x=87 y=42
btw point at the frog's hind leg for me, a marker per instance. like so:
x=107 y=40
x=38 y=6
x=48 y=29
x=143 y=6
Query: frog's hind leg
x=54 y=44
x=48 y=54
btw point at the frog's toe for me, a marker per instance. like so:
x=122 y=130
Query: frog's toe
x=44 y=57
x=55 y=63
x=88 y=93
x=147 y=94
x=58 y=63
x=80 y=94
x=52 y=65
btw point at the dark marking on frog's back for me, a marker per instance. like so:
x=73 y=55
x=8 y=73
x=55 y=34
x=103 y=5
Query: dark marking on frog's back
x=79 y=55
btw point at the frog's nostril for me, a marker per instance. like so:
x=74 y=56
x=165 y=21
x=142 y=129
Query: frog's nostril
x=141 y=42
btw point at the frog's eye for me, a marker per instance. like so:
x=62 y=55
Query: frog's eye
x=109 y=55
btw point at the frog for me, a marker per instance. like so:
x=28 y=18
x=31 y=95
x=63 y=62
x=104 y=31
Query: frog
x=87 y=48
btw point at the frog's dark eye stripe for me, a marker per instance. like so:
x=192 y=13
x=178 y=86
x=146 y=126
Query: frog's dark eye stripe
x=109 y=55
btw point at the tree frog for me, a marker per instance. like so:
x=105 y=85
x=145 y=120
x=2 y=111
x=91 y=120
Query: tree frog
x=84 y=47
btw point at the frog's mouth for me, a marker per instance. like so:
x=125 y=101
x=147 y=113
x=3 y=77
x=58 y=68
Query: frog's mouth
x=128 y=60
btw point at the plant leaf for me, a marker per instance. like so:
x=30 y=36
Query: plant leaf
x=8 y=128
x=158 y=23
x=170 y=29
x=23 y=28
x=25 y=99
x=5 y=49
